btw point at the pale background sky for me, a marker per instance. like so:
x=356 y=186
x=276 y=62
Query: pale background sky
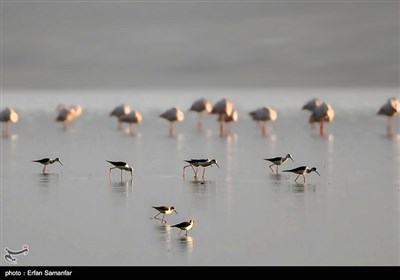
x=128 y=44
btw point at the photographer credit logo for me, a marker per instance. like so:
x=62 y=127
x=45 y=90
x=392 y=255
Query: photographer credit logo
x=9 y=256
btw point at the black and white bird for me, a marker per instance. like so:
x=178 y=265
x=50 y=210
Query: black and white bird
x=121 y=166
x=192 y=163
x=46 y=162
x=165 y=210
x=199 y=162
x=278 y=161
x=302 y=170
x=184 y=226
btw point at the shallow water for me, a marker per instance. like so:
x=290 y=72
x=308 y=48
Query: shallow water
x=244 y=214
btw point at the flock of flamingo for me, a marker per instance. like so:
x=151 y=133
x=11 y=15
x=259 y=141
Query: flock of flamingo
x=321 y=112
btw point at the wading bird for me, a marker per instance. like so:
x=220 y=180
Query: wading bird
x=165 y=210
x=302 y=170
x=172 y=115
x=46 y=162
x=200 y=106
x=184 y=226
x=390 y=109
x=278 y=161
x=121 y=166
x=8 y=115
x=262 y=115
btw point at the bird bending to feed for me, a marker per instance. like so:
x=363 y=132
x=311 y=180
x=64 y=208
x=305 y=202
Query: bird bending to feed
x=172 y=115
x=312 y=104
x=165 y=210
x=121 y=166
x=8 y=115
x=262 y=115
x=184 y=226
x=223 y=108
x=120 y=111
x=67 y=115
x=131 y=118
x=192 y=162
x=322 y=113
x=278 y=161
x=203 y=163
x=200 y=106
x=46 y=162
x=390 y=109
x=302 y=170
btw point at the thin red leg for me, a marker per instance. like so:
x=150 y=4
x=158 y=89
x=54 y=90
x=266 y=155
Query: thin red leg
x=321 y=128
x=296 y=178
x=271 y=168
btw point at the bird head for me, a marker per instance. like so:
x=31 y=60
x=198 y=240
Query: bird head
x=289 y=156
x=58 y=160
x=173 y=209
x=214 y=161
x=315 y=170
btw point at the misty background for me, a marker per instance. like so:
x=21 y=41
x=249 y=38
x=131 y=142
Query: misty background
x=126 y=44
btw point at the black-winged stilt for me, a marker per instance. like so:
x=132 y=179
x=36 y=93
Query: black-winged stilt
x=165 y=210
x=302 y=170
x=184 y=226
x=278 y=161
x=46 y=162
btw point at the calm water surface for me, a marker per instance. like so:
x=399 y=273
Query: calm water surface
x=244 y=214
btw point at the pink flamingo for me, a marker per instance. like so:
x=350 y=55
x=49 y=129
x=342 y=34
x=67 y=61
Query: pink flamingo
x=200 y=106
x=119 y=111
x=131 y=118
x=390 y=109
x=172 y=115
x=8 y=115
x=262 y=115
x=223 y=108
x=322 y=113
x=67 y=115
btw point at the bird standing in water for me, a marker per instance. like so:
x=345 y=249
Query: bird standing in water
x=184 y=226
x=390 y=109
x=302 y=170
x=165 y=210
x=278 y=161
x=121 y=166
x=46 y=162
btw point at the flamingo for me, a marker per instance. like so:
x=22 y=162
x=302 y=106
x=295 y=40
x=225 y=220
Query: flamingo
x=8 y=115
x=322 y=113
x=223 y=108
x=68 y=114
x=172 y=115
x=233 y=117
x=262 y=115
x=119 y=111
x=200 y=106
x=131 y=118
x=390 y=109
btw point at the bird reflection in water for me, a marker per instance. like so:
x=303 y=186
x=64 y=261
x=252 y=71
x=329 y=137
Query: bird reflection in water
x=185 y=244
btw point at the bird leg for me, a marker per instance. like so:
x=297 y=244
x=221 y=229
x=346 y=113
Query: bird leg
x=155 y=217
x=277 y=166
x=221 y=128
x=296 y=178
x=304 y=177
x=121 y=175
x=271 y=168
x=44 y=169
x=171 y=129
x=321 y=128
x=200 y=121
x=389 y=127
x=109 y=172
x=179 y=233
x=204 y=171
x=263 y=127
